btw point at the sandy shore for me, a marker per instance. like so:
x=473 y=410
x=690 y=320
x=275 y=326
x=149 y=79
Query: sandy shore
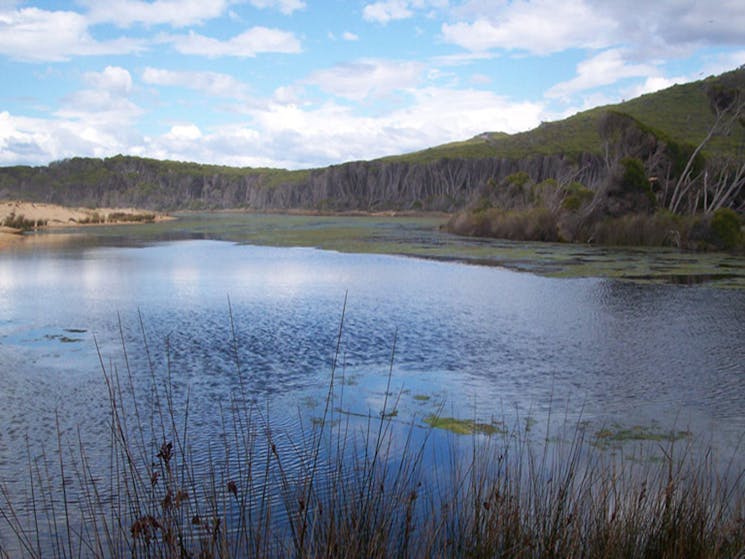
x=51 y=215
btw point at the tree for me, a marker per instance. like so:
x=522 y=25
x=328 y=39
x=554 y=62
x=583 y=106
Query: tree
x=722 y=180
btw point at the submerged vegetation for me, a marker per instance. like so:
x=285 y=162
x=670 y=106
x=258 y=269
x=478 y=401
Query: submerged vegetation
x=372 y=486
x=617 y=435
x=464 y=426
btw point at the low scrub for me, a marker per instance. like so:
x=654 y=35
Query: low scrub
x=119 y=217
x=20 y=222
x=530 y=224
x=93 y=218
x=659 y=229
x=726 y=228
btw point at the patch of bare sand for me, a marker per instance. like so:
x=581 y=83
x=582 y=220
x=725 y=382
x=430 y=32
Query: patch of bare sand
x=51 y=215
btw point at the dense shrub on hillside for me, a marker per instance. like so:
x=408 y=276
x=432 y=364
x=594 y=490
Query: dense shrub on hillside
x=634 y=177
x=576 y=196
x=726 y=228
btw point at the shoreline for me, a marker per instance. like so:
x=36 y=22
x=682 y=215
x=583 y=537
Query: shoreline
x=18 y=216
x=321 y=213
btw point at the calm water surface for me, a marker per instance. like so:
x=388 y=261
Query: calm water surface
x=482 y=342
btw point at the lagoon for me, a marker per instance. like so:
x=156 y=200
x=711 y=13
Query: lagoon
x=219 y=317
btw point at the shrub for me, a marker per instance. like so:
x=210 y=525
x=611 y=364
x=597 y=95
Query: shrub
x=577 y=195
x=518 y=179
x=95 y=217
x=531 y=224
x=725 y=228
x=634 y=178
x=659 y=229
x=20 y=222
x=130 y=217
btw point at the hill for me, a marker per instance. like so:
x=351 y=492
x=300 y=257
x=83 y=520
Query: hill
x=681 y=112
x=659 y=128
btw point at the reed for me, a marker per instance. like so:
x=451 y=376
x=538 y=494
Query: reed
x=358 y=487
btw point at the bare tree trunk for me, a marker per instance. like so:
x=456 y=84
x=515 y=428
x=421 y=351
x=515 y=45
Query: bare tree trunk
x=725 y=118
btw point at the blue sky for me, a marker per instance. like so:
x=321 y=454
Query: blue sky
x=306 y=83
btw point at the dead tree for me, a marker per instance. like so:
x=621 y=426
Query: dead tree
x=719 y=183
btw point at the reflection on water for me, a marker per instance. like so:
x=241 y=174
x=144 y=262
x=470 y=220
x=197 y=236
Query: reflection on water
x=483 y=341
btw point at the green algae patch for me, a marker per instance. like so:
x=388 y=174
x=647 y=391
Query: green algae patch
x=464 y=426
x=421 y=398
x=617 y=435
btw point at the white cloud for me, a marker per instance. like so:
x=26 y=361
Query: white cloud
x=284 y=6
x=383 y=12
x=605 y=68
x=671 y=25
x=652 y=84
x=466 y=112
x=97 y=121
x=31 y=34
x=106 y=106
x=91 y=123
x=274 y=134
x=367 y=77
x=177 y=13
x=113 y=78
x=251 y=42
x=294 y=136
x=480 y=79
x=288 y=95
x=100 y=108
x=349 y=36
x=35 y=141
x=210 y=83
x=724 y=63
x=540 y=27
x=650 y=30
x=462 y=58
x=184 y=133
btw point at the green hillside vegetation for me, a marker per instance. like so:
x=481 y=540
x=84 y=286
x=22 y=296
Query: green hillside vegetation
x=671 y=171
x=681 y=113
x=90 y=170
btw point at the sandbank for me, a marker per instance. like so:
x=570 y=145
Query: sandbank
x=40 y=215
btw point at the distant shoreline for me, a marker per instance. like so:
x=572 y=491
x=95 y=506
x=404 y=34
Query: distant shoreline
x=323 y=213
x=17 y=216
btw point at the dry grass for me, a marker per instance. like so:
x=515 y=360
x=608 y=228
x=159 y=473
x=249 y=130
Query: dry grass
x=529 y=224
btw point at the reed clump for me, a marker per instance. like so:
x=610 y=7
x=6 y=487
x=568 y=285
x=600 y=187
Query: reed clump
x=359 y=487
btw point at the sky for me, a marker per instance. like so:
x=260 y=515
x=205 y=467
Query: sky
x=309 y=83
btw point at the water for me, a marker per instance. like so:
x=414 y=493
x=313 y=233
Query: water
x=475 y=342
